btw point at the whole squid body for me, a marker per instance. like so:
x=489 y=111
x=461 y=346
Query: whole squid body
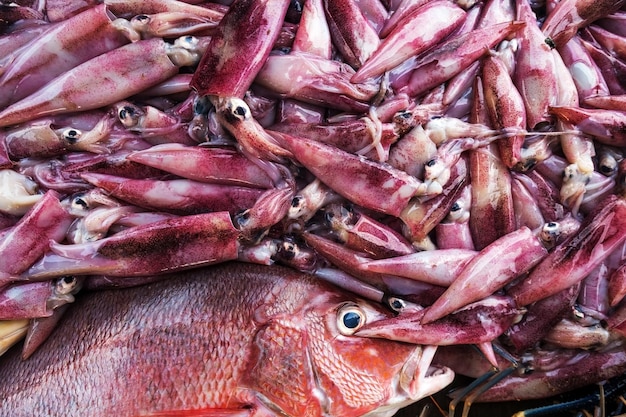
x=231 y=340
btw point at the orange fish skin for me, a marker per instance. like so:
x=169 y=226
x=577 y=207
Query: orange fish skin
x=233 y=336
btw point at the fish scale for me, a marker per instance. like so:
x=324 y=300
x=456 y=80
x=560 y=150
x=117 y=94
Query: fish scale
x=234 y=336
x=135 y=343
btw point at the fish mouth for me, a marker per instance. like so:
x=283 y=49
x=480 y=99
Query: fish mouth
x=419 y=378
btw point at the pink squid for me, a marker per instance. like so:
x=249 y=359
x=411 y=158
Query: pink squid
x=534 y=69
x=37 y=299
x=63 y=47
x=602 y=232
x=364 y=136
x=236 y=53
x=118 y=74
x=437 y=267
x=569 y=16
x=479 y=322
x=369 y=184
x=585 y=72
x=178 y=196
x=158 y=247
x=455 y=55
x=607 y=126
x=219 y=165
x=28 y=240
x=506 y=108
x=495 y=266
x=353 y=35
x=315 y=80
x=419 y=31
x=361 y=232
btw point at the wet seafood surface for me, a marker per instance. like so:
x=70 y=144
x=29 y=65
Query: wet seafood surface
x=457 y=165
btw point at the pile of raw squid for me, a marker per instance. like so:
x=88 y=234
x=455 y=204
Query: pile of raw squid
x=461 y=162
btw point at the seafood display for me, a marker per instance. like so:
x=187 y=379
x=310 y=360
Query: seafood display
x=177 y=178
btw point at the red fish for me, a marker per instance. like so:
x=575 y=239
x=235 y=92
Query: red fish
x=232 y=340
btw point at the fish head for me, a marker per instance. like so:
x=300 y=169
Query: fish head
x=365 y=376
x=311 y=363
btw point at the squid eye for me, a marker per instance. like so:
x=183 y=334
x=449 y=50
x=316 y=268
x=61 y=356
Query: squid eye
x=66 y=284
x=239 y=109
x=187 y=42
x=404 y=115
x=550 y=228
x=577 y=312
x=568 y=173
x=72 y=135
x=297 y=5
x=455 y=207
x=607 y=169
x=129 y=116
x=242 y=218
x=396 y=304
x=142 y=18
x=550 y=232
x=202 y=105
x=79 y=203
x=288 y=250
x=431 y=162
x=350 y=318
x=297 y=201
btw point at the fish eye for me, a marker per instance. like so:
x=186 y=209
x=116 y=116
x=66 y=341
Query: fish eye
x=350 y=318
x=72 y=135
